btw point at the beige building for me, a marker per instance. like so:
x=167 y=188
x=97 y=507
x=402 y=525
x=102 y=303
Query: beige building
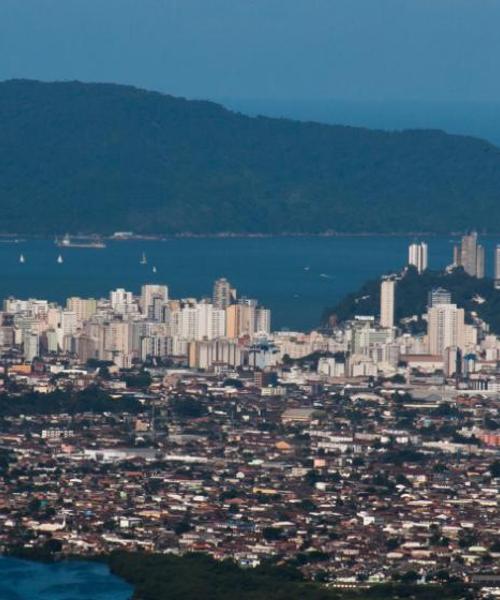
x=83 y=308
x=387 y=302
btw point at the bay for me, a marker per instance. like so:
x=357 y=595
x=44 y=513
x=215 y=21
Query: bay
x=297 y=277
x=68 y=580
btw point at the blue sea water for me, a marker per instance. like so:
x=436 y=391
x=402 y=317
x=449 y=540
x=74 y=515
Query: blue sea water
x=297 y=277
x=72 y=580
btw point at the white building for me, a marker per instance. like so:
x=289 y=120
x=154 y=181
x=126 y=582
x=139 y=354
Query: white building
x=418 y=256
x=387 y=301
x=122 y=301
x=445 y=328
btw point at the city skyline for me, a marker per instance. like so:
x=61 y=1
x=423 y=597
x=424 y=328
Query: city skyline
x=250 y=300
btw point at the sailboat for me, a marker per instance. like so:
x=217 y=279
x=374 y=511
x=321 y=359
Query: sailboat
x=60 y=259
x=22 y=259
x=154 y=269
x=144 y=260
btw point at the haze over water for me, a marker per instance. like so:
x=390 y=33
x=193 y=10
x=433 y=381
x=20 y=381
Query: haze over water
x=297 y=277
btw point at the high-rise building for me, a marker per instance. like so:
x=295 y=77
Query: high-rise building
x=470 y=255
x=149 y=293
x=445 y=328
x=480 y=262
x=121 y=301
x=497 y=267
x=263 y=320
x=223 y=294
x=68 y=325
x=232 y=321
x=31 y=343
x=438 y=295
x=387 y=298
x=418 y=256
x=83 y=308
x=246 y=315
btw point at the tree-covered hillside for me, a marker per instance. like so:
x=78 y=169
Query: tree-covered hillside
x=475 y=295
x=99 y=157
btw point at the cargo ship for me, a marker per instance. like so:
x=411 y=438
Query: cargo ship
x=79 y=242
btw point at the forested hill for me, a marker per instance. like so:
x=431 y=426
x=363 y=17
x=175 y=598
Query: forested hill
x=474 y=295
x=98 y=157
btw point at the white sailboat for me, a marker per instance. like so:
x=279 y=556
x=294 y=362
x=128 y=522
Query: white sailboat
x=144 y=260
x=60 y=259
x=154 y=269
x=22 y=259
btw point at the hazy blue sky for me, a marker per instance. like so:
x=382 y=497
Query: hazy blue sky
x=390 y=50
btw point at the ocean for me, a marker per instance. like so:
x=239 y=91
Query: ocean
x=297 y=277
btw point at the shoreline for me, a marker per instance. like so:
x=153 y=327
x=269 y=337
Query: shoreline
x=42 y=558
x=308 y=586
x=19 y=237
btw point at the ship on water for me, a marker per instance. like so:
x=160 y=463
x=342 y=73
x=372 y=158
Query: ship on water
x=22 y=259
x=79 y=242
x=144 y=260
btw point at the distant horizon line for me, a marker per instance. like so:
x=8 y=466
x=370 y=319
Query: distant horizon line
x=123 y=236
x=257 y=98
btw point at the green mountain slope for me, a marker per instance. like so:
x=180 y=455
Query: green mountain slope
x=99 y=157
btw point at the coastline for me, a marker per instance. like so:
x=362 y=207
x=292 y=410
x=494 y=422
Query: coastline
x=19 y=237
x=38 y=556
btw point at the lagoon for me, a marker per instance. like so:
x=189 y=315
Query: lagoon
x=67 y=580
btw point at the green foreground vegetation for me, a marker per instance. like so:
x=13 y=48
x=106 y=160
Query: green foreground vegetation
x=101 y=158
x=474 y=295
x=196 y=576
x=91 y=399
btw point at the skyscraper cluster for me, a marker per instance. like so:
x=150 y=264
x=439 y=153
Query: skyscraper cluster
x=125 y=328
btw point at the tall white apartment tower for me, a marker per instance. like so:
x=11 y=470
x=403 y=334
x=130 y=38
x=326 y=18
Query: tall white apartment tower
x=418 y=256
x=387 y=302
x=445 y=328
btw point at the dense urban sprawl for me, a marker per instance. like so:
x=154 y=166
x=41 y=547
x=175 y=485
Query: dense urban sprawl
x=361 y=453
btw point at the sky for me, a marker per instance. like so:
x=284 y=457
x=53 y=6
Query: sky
x=304 y=49
x=270 y=53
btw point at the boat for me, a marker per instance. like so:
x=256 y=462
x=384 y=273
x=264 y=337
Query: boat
x=80 y=242
x=60 y=259
x=22 y=259
x=154 y=269
x=144 y=260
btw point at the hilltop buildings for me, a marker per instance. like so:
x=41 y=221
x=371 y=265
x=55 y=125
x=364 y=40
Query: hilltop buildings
x=418 y=256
